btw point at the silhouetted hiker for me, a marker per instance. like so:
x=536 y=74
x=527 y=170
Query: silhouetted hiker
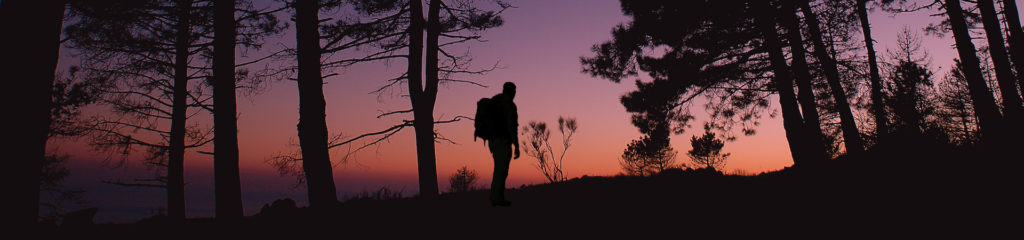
x=497 y=120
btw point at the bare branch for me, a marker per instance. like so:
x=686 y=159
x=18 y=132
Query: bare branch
x=394 y=112
x=386 y=132
x=272 y=55
x=438 y=138
x=391 y=82
x=462 y=81
x=138 y=183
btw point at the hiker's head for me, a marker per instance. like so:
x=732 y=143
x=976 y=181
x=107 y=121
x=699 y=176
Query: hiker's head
x=509 y=89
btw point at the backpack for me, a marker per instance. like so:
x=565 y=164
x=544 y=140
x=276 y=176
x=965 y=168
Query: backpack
x=488 y=119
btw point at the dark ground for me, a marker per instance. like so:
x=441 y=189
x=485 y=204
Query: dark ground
x=845 y=203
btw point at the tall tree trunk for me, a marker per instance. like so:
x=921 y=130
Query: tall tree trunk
x=1016 y=35
x=423 y=107
x=312 y=127
x=176 y=151
x=809 y=107
x=791 y=120
x=851 y=136
x=225 y=143
x=877 y=106
x=989 y=118
x=422 y=102
x=415 y=58
x=32 y=28
x=1014 y=111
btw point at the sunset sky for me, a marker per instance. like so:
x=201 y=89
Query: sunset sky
x=538 y=48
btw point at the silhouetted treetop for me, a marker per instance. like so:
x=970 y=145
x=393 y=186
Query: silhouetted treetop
x=663 y=33
x=688 y=49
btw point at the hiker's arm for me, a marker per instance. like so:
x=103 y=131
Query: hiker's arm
x=516 y=142
x=515 y=129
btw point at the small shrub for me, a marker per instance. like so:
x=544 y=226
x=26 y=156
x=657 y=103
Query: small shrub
x=462 y=180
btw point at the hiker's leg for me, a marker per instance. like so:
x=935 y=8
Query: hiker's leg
x=502 y=154
x=501 y=175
